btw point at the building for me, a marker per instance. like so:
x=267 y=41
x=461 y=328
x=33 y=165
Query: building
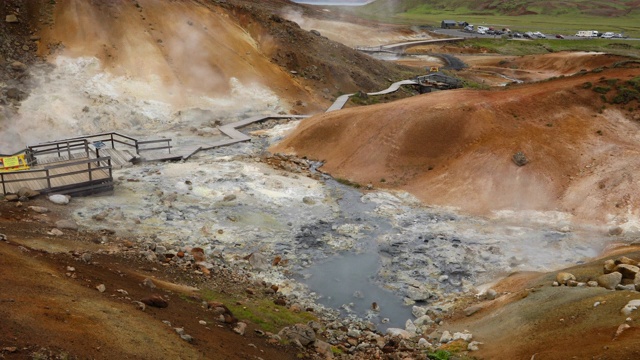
x=448 y=24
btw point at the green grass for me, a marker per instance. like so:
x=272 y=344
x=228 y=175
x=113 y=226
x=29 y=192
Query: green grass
x=527 y=47
x=261 y=312
x=564 y=17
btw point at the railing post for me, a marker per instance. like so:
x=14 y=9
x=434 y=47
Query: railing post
x=69 y=150
x=4 y=189
x=113 y=144
x=58 y=148
x=137 y=147
x=90 y=172
x=48 y=179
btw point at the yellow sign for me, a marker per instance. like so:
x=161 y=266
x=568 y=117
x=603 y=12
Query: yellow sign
x=11 y=161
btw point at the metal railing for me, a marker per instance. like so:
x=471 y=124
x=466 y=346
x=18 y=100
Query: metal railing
x=93 y=165
x=113 y=138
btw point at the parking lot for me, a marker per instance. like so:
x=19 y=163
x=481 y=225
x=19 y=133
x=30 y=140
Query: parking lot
x=466 y=34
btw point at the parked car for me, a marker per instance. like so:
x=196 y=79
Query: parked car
x=559 y=36
x=607 y=35
x=516 y=35
x=540 y=35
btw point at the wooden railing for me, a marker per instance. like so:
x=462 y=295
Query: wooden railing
x=93 y=165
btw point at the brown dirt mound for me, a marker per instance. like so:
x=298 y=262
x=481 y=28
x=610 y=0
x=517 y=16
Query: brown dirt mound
x=455 y=147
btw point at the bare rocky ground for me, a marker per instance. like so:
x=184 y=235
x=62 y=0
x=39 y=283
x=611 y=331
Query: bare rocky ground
x=53 y=305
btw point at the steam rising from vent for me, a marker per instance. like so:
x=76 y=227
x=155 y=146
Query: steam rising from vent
x=75 y=97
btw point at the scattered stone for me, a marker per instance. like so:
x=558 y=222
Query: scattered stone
x=424 y=344
x=155 y=301
x=592 y=283
x=463 y=336
x=323 y=348
x=140 y=305
x=446 y=337
x=596 y=304
x=621 y=329
x=472 y=310
x=491 y=294
x=39 y=209
x=59 y=199
x=629 y=287
x=616 y=231
x=229 y=197
x=299 y=332
x=55 y=232
x=627 y=271
x=418 y=294
x=258 y=261
x=11 y=197
x=397 y=332
x=240 y=328
x=186 y=337
x=11 y=18
x=202 y=322
x=66 y=224
x=149 y=283
x=101 y=288
x=473 y=346
x=315 y=32
x=86 y=257
x=636 y=282
x=631 y=305
x=626 y=260
x=610 y=281
x=563 y=277
x=198 y=254
x=26 y=192
x=520 y=159
x=308 y=200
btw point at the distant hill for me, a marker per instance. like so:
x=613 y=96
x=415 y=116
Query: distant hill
x=510 y=7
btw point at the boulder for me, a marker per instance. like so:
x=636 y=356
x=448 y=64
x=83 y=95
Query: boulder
x=11 y=197
x=520 y=159
x=609 y=281
x=616 y=231
x=66 y=224
x=418 y=294
x=155 y=301
x=18 y=66
x=636 y=282
x=397 y=332
x=258 y=261
x=446 y=337
x=59 y=199
x=472 y=310
x=609 y=266
x=26 y=192
x=563 y=277
x=299 y=332
x=491 y=294
x=627 y=271
x=631 y=306
x=626 y=260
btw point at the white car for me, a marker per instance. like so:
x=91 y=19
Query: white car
x=607 y=35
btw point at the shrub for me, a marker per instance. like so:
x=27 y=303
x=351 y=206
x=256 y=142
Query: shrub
x=439 y=355
x=601 y=89
x=626 y=95
x=587 y=85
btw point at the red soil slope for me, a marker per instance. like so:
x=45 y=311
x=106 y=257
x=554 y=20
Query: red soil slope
x=455 y=147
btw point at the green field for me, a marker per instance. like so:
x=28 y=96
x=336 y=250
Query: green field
x=527 y=47
x=565 y=17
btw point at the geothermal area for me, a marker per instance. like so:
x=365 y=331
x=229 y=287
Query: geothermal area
x=495 y=221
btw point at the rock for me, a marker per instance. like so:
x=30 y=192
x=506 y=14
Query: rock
x=418 y=311
x=240 y=328
x=397 y=332
x=563 y=277
x=616 y=231
x=229 y=197
x=4 y=237
x=609 y=281
x=59 y=199
x=424 y=344
x=155 y=301
x=11 y=197
x=308 y=200
x=630 y=287
x=519 y=158
x=354 y=333
x=66 y=224
x=315 y=32
x=149 y=283
x=300 y=332
x=28 y=193
x=86 y=257
x=410 y=327
x=463 y=336
x=473 y=346
x=418 y=294
x=446 y=337
x=186 y=337
x=631 y=305
x=636 y=282
x=198 y=254
x=323 y=348
x=101 y=288
x=592 y=283
x=609 y=266
x=11 y=18
x=423 y=320
x=34 y=37
x=621 y=329
x=472 y=310
x=258 y=261
x=39 y=209
x=626 y=260
x=627 y=271
x=491 y=294
x=55 y=232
